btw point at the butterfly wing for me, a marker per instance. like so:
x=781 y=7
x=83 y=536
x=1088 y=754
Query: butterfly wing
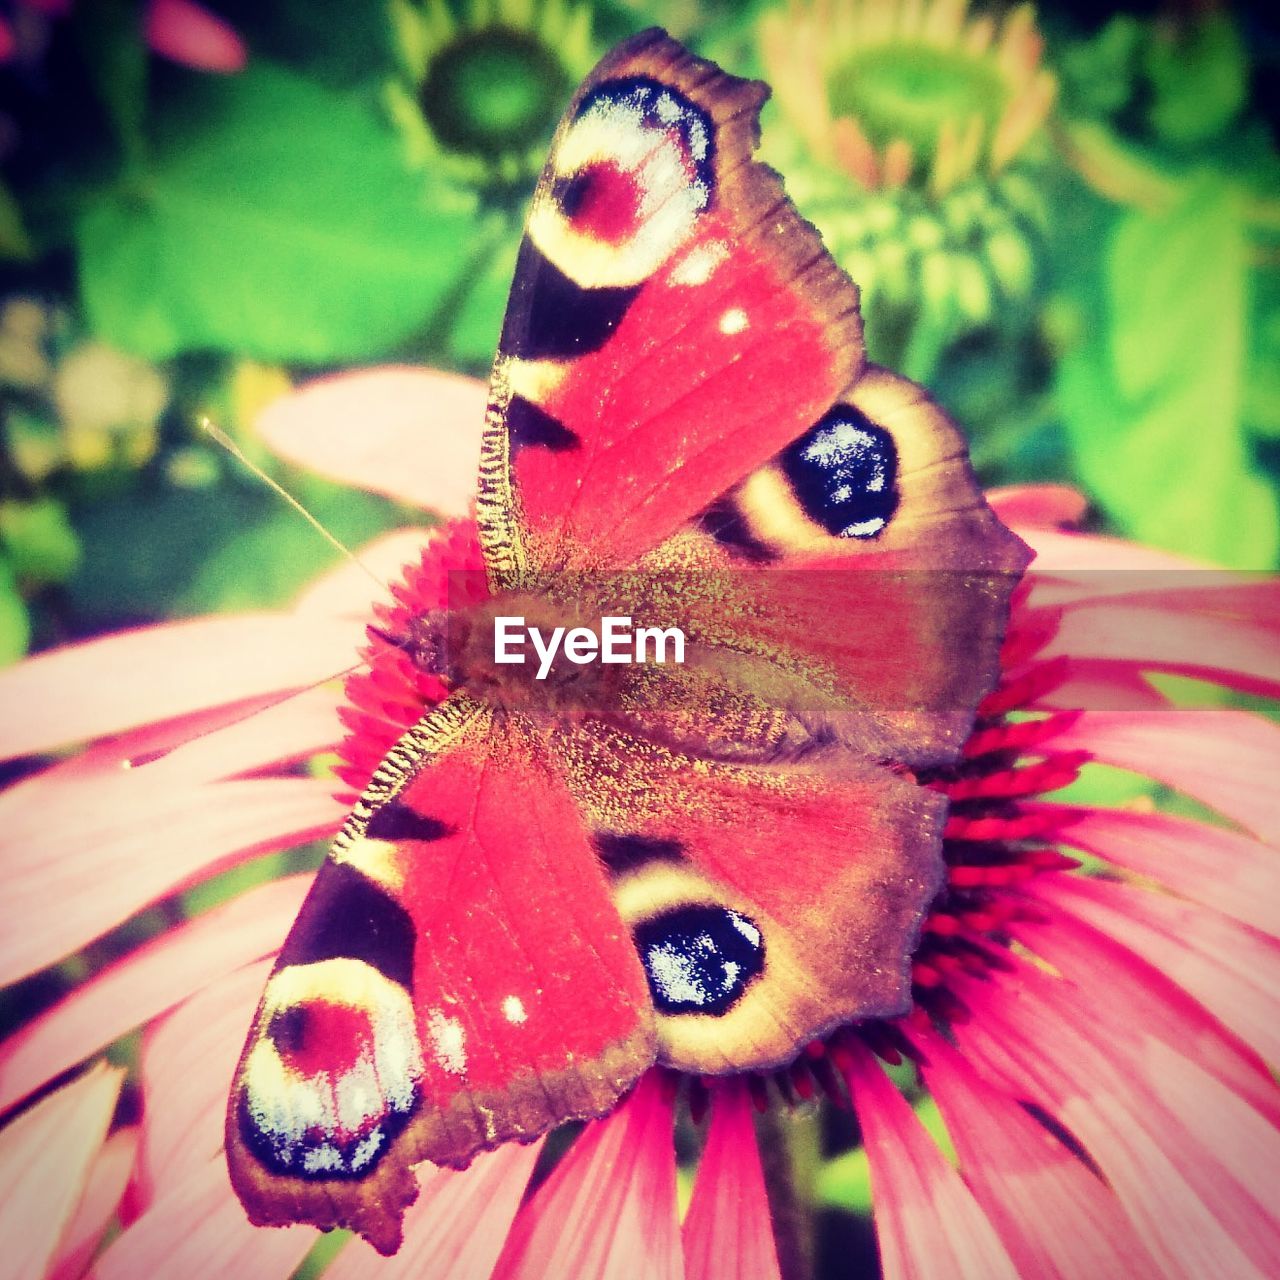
x=666 y=295
x=458 y=977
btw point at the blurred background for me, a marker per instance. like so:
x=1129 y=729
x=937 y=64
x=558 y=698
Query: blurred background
x=1065 y=221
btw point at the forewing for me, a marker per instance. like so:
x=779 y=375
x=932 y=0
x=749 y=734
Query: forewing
x=457 y=978
x=673 y=322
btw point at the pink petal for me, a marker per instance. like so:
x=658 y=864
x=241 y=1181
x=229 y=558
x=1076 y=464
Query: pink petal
x=1230 y=969
x=188 y=1059
x=1039 y=506
x=1228 y=759
x=456 y=1227
x=608 y=1211
x=121 y=681
x=1034 y=1189
x=1241 y=653
x=1058 y=552
x=113 y=846
x=927 y=1222
x=188 y=33
x=198 y=1231
x=350 y=589
x=409 y=433
x=1186 y=1205
x=1142 y=1003
x=727 y=1231
x=1102 y=686
x=146 y=982
x=1224 y=870
x=45 y=1158
x=102 y=1194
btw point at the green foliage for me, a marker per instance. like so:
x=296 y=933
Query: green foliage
x=276 y=218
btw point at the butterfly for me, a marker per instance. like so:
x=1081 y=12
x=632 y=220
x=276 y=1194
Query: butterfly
x=552 y=884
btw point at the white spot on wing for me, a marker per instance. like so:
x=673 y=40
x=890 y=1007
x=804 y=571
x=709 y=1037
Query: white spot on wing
x=449 y=1041
x=733 y=321
x=513 y=1010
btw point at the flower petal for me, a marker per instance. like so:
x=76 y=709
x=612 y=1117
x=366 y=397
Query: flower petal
x=349 y=590
x=198 y=1231
x=1034 y=1189
x=186 y=32
x=608 y=1211
x=1185 y=1202
x=1058 y=552
x=146 y=982
x=45 y=1158
x=121 y=681
x=1038 y=506
x=187 y=1061
x=727 y=1230
x=1241 y=653
x=102 y=1193
x=409 y=433
x=1230 y=969
x=119 y=844
x=927 y=1222
x=456 y=1227
x=1224 y=870
x=1228 y=759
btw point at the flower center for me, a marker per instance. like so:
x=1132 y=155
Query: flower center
x=897 y=91
x=494 y=91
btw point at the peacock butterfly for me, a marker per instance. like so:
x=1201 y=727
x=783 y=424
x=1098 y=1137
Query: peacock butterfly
x=551 y=885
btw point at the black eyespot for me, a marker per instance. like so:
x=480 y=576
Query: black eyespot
x=844 y=471
x=699 y=959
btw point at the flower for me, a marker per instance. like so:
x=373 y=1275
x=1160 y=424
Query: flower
x=488 y=84
x=1094 y=1038
x=905 y=134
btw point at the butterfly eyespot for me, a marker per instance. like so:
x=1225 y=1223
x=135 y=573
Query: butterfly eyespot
x=699 y=959
x=633 y=173
x=844 y=472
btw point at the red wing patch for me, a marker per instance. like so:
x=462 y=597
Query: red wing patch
x=457 y=978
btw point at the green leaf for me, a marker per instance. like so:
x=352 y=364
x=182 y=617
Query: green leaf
x=278 y=220
x=1152 y=397
x=15 y=625
x=1199 y=79
x=40 y=542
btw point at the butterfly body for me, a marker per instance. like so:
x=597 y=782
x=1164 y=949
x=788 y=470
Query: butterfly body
x=555 y=881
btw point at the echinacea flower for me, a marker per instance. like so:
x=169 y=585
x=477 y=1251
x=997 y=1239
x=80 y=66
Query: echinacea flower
x=905 y=127
x=1095 y=1040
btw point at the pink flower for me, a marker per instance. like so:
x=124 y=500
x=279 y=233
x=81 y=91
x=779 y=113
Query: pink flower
x=180 y=30
x=1096 y=1044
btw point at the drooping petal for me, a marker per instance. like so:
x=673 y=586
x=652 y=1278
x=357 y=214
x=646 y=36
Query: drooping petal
x=186 y=32
x=410 y=433
x=1229 y=968
x=45 y=1158
x=927 y=1222
x=1101 y=686
x=120 y=681
x=728 y=1231
x=1227 y=871
x=119 y=844
x=1228 y=759
x=348 y=590
x=102 y=1193
x=456 y=1227
x=608 y=1211
x=1041 y=1037
x=146 y=982
x=1239 y=652
x=187 y=1062
x=198 y=1231
x=1038 y=506
x=1033 y=1188
x=1071 y=553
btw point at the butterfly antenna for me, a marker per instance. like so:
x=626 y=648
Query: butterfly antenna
x=216 y=433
